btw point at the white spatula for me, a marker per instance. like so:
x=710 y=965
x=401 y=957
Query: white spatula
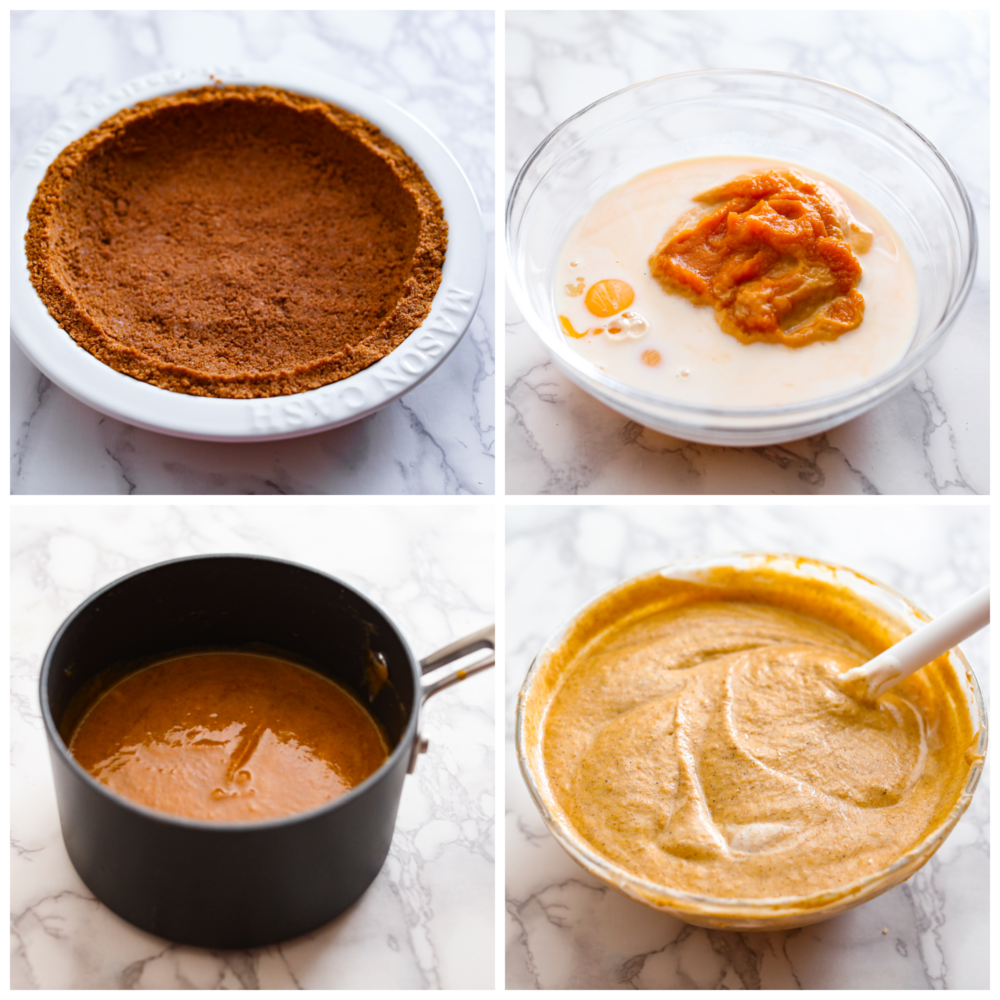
x=919 y=648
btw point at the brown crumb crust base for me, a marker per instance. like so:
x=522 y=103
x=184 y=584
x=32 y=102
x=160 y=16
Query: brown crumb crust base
x=236 y=241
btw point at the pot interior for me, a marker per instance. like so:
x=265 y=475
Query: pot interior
x=237 y=603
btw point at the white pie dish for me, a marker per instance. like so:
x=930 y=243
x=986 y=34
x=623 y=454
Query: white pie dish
x=80 y=374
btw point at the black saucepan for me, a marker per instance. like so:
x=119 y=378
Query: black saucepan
x=239 y=885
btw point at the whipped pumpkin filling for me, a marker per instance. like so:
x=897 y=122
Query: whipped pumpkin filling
x=699 y=739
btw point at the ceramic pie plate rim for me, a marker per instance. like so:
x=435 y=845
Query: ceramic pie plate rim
x=102 y=388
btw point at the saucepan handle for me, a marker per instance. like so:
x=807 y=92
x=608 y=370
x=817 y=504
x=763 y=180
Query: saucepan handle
x=458 y=652
x=484 y=639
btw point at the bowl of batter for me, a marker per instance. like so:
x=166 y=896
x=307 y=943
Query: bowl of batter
x=686 y=741
x=614 y=229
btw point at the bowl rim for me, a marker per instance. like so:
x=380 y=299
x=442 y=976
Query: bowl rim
x=75 y=370
x=763 y=909
x=403 y=748
x=750 y=418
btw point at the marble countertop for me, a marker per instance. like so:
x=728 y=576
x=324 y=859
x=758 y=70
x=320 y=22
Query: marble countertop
x=428 y=919
x=567 y=930
x=932 y=68
x=437 y=439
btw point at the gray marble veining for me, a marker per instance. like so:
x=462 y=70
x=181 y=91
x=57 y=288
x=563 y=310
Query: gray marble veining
x=932 y=68
x=567 y=930
x=428 y=919
x=438 y=65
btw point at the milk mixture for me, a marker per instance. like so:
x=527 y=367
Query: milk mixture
x=668 y=346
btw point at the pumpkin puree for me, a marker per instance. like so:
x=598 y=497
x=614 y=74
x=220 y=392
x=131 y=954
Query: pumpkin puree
x=773 y=255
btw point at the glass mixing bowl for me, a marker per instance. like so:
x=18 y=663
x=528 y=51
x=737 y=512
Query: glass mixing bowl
x=751 y=113
x=545 y=677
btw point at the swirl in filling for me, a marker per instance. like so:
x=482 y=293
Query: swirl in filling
x=708 y=747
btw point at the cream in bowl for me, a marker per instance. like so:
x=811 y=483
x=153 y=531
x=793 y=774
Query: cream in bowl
x=687 y=741
x=610 y=184
x=663 y=337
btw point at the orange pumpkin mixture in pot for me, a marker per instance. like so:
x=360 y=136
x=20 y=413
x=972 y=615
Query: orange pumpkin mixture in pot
x=228 y=736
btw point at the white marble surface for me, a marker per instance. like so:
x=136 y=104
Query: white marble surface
x=438 y=66
x=565 y=929
x=428 y=919
x=930 y=67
